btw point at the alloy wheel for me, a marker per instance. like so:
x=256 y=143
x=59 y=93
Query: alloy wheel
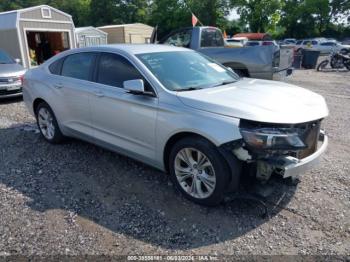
x=195 y=173
x=46 y=123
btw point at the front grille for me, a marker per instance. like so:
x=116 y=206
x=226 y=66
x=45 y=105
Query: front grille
x=9 y=80
x=11 y=92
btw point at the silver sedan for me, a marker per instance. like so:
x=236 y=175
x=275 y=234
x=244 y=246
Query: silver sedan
x=179 y=111
x=11 y=73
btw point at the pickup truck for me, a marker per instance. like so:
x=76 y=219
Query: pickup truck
x=264 y=62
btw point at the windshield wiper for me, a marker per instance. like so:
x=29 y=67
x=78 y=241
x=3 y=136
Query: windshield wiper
x=225 y=83
x=188 y=89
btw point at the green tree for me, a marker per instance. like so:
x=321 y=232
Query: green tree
x=260 y=15
x=211 y=12
x=131 y=11
x=78 y=9
x=102 y=12
x=169 y=15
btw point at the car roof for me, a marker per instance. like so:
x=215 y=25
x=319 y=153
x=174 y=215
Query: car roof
x=135 y=48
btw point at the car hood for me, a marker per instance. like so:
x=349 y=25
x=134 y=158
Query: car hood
x=7 y=70
x=259 y=100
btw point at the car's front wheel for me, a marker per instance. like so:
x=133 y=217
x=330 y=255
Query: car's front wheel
x=47 y=124
x=199 y=171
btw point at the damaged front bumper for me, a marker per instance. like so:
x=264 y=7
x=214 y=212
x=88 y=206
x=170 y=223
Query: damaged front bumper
x=294 y=167
x=284 y=165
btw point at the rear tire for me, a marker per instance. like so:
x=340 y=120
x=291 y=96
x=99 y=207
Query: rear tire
x=199 y=171
x=47 y=124
x=322 y=65
x=347 y=66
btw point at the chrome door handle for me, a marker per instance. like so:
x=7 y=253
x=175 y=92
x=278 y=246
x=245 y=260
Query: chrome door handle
x=58 y=86
x=98 y=94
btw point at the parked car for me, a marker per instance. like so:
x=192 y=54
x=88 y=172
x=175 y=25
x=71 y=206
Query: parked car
x=331 y=46
x=265 y=62
x=11 y=73
x=325 y=46
x=179 y=111
x=236 y=41
x=307 y=44
x=289 y=41
x=261 y=43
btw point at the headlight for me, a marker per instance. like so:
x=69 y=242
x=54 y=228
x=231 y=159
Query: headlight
x=273 y=138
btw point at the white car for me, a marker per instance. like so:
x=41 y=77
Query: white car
x=331 y=46
x=306 y=45
x=236 y=41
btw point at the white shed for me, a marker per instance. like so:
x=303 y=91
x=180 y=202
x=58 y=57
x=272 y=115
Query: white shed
x=35 y=34
x=128 y=33
x=90 y=36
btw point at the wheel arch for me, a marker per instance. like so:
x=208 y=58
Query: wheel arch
x=36 y=103
x=233 y=164
x=173 y=140
x=239 y=68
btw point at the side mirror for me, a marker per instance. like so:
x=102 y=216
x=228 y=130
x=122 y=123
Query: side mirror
x=18 y=61
x=134 y=86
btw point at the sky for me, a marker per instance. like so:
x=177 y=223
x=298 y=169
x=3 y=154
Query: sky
x=233 y=15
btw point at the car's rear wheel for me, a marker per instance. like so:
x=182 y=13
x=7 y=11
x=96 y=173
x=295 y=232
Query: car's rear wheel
x=199 y=171
x=47 y=124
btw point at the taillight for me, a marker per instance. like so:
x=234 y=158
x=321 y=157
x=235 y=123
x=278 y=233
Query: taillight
x=22 y=80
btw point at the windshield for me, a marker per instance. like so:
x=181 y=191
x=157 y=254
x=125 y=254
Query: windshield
x=5 y=58
x=186 y=70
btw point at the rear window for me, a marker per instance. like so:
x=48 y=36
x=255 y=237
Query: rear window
x=211 y=37
x=55 y=67
x=78 y=66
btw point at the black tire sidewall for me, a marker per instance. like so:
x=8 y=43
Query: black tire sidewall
x=320 y=66
x=221 y=169
x=58 y=136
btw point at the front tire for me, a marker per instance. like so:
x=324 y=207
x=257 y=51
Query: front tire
x=47 y=124
x=199 y=171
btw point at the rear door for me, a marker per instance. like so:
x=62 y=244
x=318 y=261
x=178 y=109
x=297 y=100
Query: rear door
x=73 y=88
x=122 y=121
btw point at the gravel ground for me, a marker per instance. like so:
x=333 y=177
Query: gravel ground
x=79 y=199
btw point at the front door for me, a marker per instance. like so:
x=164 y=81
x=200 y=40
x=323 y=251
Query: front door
x=122 y=120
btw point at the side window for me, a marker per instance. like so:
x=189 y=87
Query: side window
x=78 y=66
x=327 y=44
x=299 y=42
x=211 y=38
x=314 y=42
x=55 y=67
x=182 y=39
x=113 y=70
